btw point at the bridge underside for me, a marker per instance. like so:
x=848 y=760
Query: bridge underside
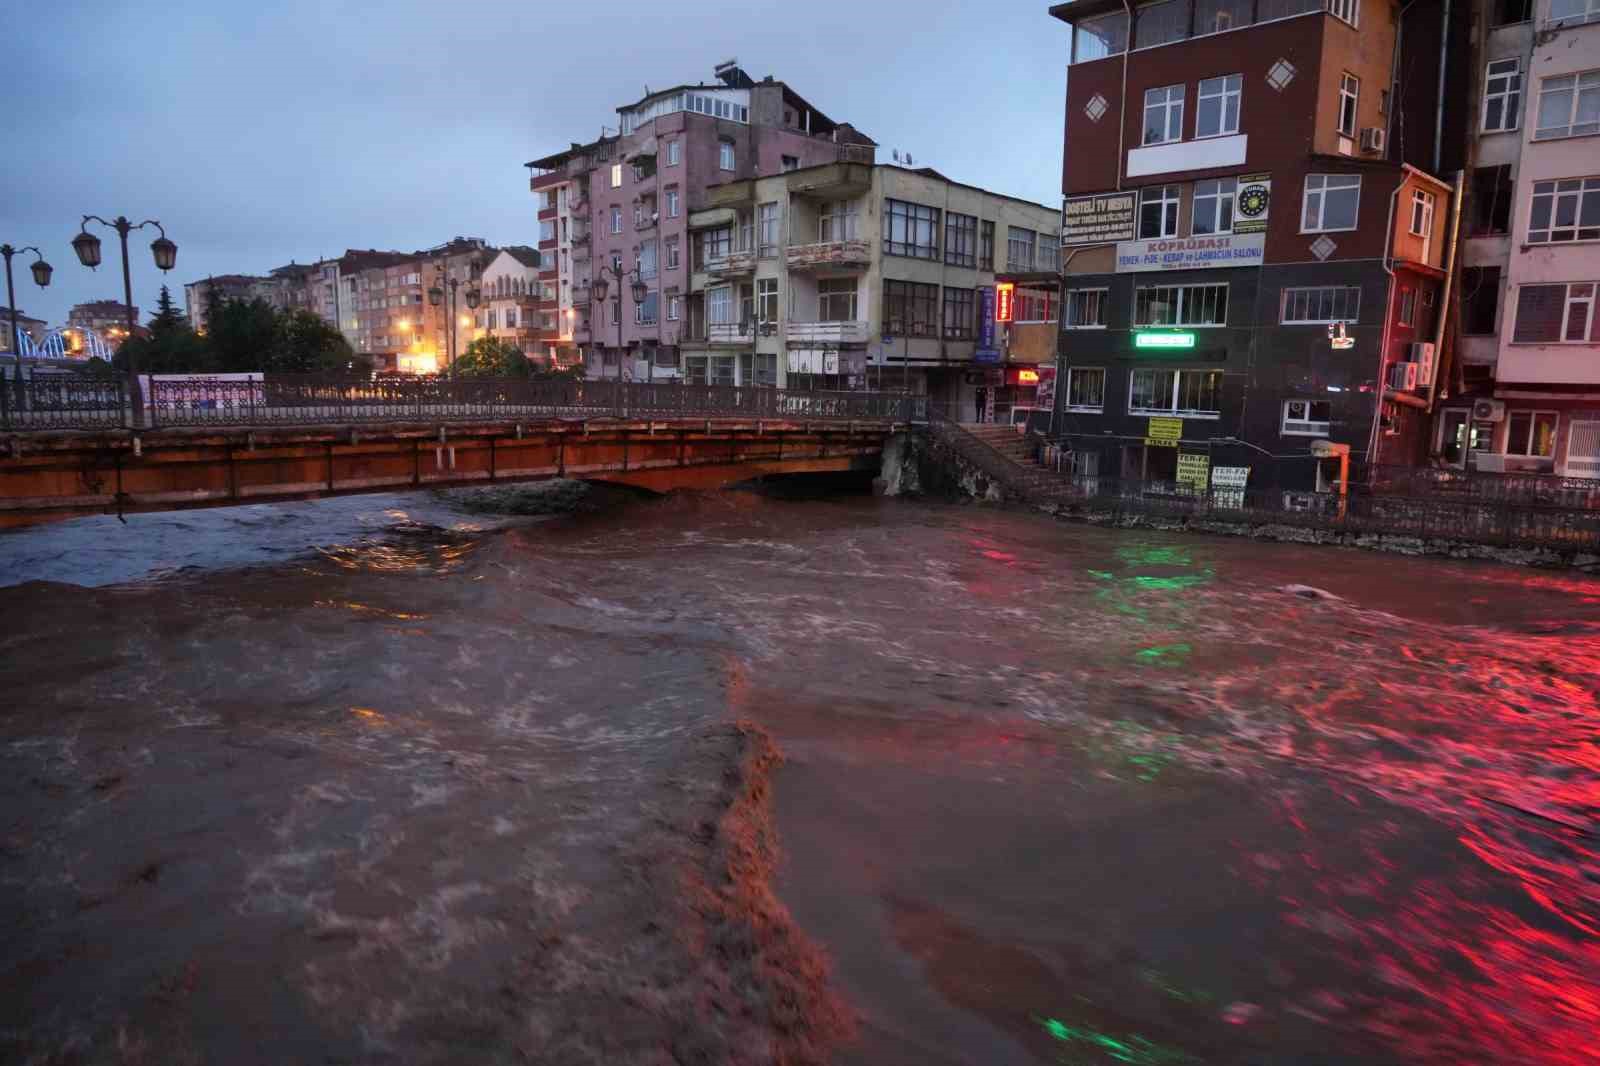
x=61 y=475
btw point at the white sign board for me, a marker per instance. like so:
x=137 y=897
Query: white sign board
x=814 y=361
x=1191 y=253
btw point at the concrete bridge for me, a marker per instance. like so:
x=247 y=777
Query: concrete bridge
x=216 y=443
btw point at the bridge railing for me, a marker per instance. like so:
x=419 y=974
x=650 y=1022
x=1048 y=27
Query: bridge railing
x=309 y=400
x=64 y=401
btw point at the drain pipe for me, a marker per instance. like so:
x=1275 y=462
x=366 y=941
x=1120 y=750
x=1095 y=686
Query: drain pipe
x=1438 y=99
x=1450 y=268
x=1383 y=344
x=1122 y=109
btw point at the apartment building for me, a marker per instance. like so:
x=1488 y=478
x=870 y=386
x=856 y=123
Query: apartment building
x=1251 y=259
x=384 y=305
x=854 y=275
x=107 y=318
x=1531 y=250
x=512 y=297
x=616 y=209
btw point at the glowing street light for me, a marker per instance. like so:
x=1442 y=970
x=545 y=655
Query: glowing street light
x=165 y=253
x=41 y=277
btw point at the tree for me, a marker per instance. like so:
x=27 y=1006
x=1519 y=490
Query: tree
x=247 y=336
x=168 y=318
x=491 y=357
x=307 y=344
x=169 y=346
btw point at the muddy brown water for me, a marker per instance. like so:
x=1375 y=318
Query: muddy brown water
x=740 y=779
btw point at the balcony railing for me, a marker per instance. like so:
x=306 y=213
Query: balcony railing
x=823 y=254
x=739 y=332
x=645 y=222
x=732 y=265
x=826 y=332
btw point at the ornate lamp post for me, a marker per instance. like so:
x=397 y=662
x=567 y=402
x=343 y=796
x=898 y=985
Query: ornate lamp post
x=41 y=277
x=600 y=286
x=436 y=297
x=87 y=245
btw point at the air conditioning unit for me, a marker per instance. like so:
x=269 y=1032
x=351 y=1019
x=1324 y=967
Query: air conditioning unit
x=1488 y=411
x=1421 y=353
x=1403 y=376
x=1372 y=139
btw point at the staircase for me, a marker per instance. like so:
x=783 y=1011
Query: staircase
x=1003 y=456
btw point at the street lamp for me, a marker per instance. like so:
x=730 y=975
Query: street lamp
x=600 y=286
x=87 y=245
x=41 y=277
x=436 y=298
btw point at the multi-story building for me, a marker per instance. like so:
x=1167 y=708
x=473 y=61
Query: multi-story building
x=199 y=296
x=1530 y=331
x=511 y=301
x=108 y=318
x=624 y=201
x=1252 y=260
x=853 y=275
x=384 y=305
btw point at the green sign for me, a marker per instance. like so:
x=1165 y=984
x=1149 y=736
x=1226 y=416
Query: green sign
x=1145 y=339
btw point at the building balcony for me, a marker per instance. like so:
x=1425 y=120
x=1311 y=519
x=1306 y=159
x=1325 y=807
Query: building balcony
x=737 y=264
x=580 y=295
x=826 y=332
x=648 y=222
x=741 y=334
x=579 y=237
x=828 y=255
x=546 y=213
x=839 y=181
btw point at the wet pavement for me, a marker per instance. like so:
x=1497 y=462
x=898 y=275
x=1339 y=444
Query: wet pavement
x=742 y=779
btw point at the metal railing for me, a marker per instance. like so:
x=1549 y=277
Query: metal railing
x=64 y=402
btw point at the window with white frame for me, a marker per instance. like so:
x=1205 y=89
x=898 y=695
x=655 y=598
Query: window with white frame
x=1569 y=106
x=1531 y=433
x=767 y=229
x=1556 y=314
x=725 y=156
x=674 y=153
x=836 y=299
x=1216 y=106
x=1348 y=10
x=1331 y=203
x=767 y=300
x=1564 y=210
x=1213 y=206
x=672 y=203
x=674 y=308
x=670 y=245
x=1187 y=392
x=1502 y=95
x=1086 y=309
x=1421 y=213
x=1306 y=418
x=647 y=259
x=616 y=175
x=837 y=221
x=1349 y=96
x=1573 y=13
x=1086 y=388
x=1181 y=305
x=1320 y=305
x=1019 y=248
x=1163 y=114
x=616 y=218
x=720 y=307
x=1158 y=211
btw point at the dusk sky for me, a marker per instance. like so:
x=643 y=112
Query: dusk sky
x=260 y=134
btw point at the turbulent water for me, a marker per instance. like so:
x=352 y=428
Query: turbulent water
x=741 y=779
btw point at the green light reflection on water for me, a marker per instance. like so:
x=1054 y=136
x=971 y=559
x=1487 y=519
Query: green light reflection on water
x=1167 y=655
x=1133 y=1049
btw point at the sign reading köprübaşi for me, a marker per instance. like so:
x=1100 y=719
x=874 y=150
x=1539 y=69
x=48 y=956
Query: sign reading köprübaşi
x=1191 y=253
x=1097 y=219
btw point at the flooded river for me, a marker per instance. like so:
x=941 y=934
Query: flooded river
x=744 y=779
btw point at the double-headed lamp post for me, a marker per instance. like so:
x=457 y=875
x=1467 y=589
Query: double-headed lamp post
x=41 y=277
x=87 y=245
x=600 y=286
x=436 y=298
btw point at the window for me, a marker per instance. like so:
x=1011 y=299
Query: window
x=722 y=370
x=1348 y=10
x=910 y=309
x=791 y=162
x=986 y=246
x=1573 y=12
x=1491 y=201
x=1019 y=248
x=1086 y=309
x=1480 y=300
x=1408 y=307
x=1219 y=16
x=1035 y=305
x=767 y=300
x=1213 y=207
x=1349 y=95
x=674 y=153
x=1421 y=213
x=767 y=223
x=1531 y=433
x=1048 y=256
x=1565 y=210
x=960 y=239
x=1216 y=106
x=958 y=314
x=1096 y=38
x=1161 y=23
x=1320 y=305
x=645 y=313
x=1181 y=305
x=716 y=244
x=616 y=175
x=725 y=157
x=672 y=203
x=1330 y=203
x=747 y=232
x=837 y=221
x=1086 y=388
x=1306 y=418
x=647 y=259
x=1502 y=95
x=1509 y=12
x=719 y=306
x=910 y=229
x=674 y=308
x=1569 y=106
x=836 y=300
x=638 y=213
x=616 y=218
x=758 y=368
x=1189 y=392
x=1158 y=212
x=671 y=247
x=1163 y=114
x=1556 y=314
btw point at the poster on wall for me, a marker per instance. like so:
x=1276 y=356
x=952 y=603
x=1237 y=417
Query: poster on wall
x=1194 y=470
x=1097 y=219
x=1251 y=203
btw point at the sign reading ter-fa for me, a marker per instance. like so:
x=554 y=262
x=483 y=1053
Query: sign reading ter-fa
x=1163 y=340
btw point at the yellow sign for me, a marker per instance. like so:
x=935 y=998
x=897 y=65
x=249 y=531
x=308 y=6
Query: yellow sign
x=1194 y=470
x=1164 y=432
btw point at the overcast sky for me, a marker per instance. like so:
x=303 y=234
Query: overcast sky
x=264 y=133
